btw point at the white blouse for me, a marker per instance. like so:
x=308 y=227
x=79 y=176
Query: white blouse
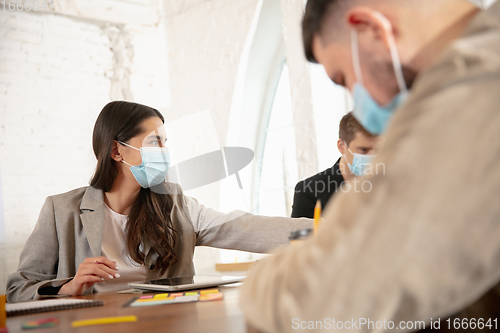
x=114 y=247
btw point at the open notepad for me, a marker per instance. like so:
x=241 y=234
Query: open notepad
x=23 y=308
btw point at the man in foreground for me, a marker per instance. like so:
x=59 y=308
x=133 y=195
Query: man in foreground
x=425 y=242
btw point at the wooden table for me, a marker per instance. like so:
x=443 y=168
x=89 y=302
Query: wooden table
x=207 y=317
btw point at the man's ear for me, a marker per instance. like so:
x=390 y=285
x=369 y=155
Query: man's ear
x=115 y=152
x=365 y=19
x=341 y=146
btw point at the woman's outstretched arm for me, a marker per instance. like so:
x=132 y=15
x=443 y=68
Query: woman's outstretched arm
x=239 y=230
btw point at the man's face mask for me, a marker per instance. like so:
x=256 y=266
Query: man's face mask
x=373 y=117
x=360 y=162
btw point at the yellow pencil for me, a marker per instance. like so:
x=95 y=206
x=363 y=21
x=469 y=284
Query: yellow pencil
x=108 y=320
x=317 y=215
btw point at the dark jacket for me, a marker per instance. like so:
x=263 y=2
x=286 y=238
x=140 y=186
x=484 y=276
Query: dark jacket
x=320 y=186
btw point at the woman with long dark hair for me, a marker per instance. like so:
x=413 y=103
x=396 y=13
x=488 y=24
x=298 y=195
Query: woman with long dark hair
x=129 y=224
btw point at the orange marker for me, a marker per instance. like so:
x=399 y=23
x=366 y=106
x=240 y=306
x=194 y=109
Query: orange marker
x=317 y=215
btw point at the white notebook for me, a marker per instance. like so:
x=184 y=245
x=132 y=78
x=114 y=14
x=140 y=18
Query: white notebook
x=22 y=308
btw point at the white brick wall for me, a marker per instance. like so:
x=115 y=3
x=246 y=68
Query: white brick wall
x=56 y=74
x=52 y=86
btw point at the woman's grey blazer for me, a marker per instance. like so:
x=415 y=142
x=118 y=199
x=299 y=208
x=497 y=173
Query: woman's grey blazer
x=69 y=230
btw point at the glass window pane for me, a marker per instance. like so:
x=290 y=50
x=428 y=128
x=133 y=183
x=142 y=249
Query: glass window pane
x=278 y=174
x=331 y=102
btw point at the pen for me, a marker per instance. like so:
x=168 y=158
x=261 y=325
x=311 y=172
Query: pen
x=317 y=215
x=99 y=321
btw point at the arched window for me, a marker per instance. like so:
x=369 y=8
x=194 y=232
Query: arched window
x=278 y=167
x=262 y=119
x=278 y=174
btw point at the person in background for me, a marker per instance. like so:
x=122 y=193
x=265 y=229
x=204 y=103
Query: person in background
x=424 y=243
x=129 y=224
x=357 y=147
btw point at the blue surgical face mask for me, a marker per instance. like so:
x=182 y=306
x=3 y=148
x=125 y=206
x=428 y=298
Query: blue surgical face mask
x=373 y=117
x=154 y=167
x=360 y=162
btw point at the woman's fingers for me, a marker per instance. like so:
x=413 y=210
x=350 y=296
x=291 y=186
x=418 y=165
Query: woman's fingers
x=84 y=283
x=89 y=279
x=103 y=260
x=91 y=271
x=97 y=270
x=103 y=263
x=106 y=269
x=79 y=284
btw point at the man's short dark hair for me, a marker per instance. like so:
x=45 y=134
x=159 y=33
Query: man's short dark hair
x=348 y=128
x=315 y=16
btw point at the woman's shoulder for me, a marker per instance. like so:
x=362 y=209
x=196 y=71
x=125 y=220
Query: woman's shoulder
x=86 y=197
x=75 y=193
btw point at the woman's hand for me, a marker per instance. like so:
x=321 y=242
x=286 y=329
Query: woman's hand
x=91 y=271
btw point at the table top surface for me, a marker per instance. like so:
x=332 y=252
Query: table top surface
x=212 y=316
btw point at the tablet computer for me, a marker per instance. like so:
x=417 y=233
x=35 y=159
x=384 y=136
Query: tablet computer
x=185 y=282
